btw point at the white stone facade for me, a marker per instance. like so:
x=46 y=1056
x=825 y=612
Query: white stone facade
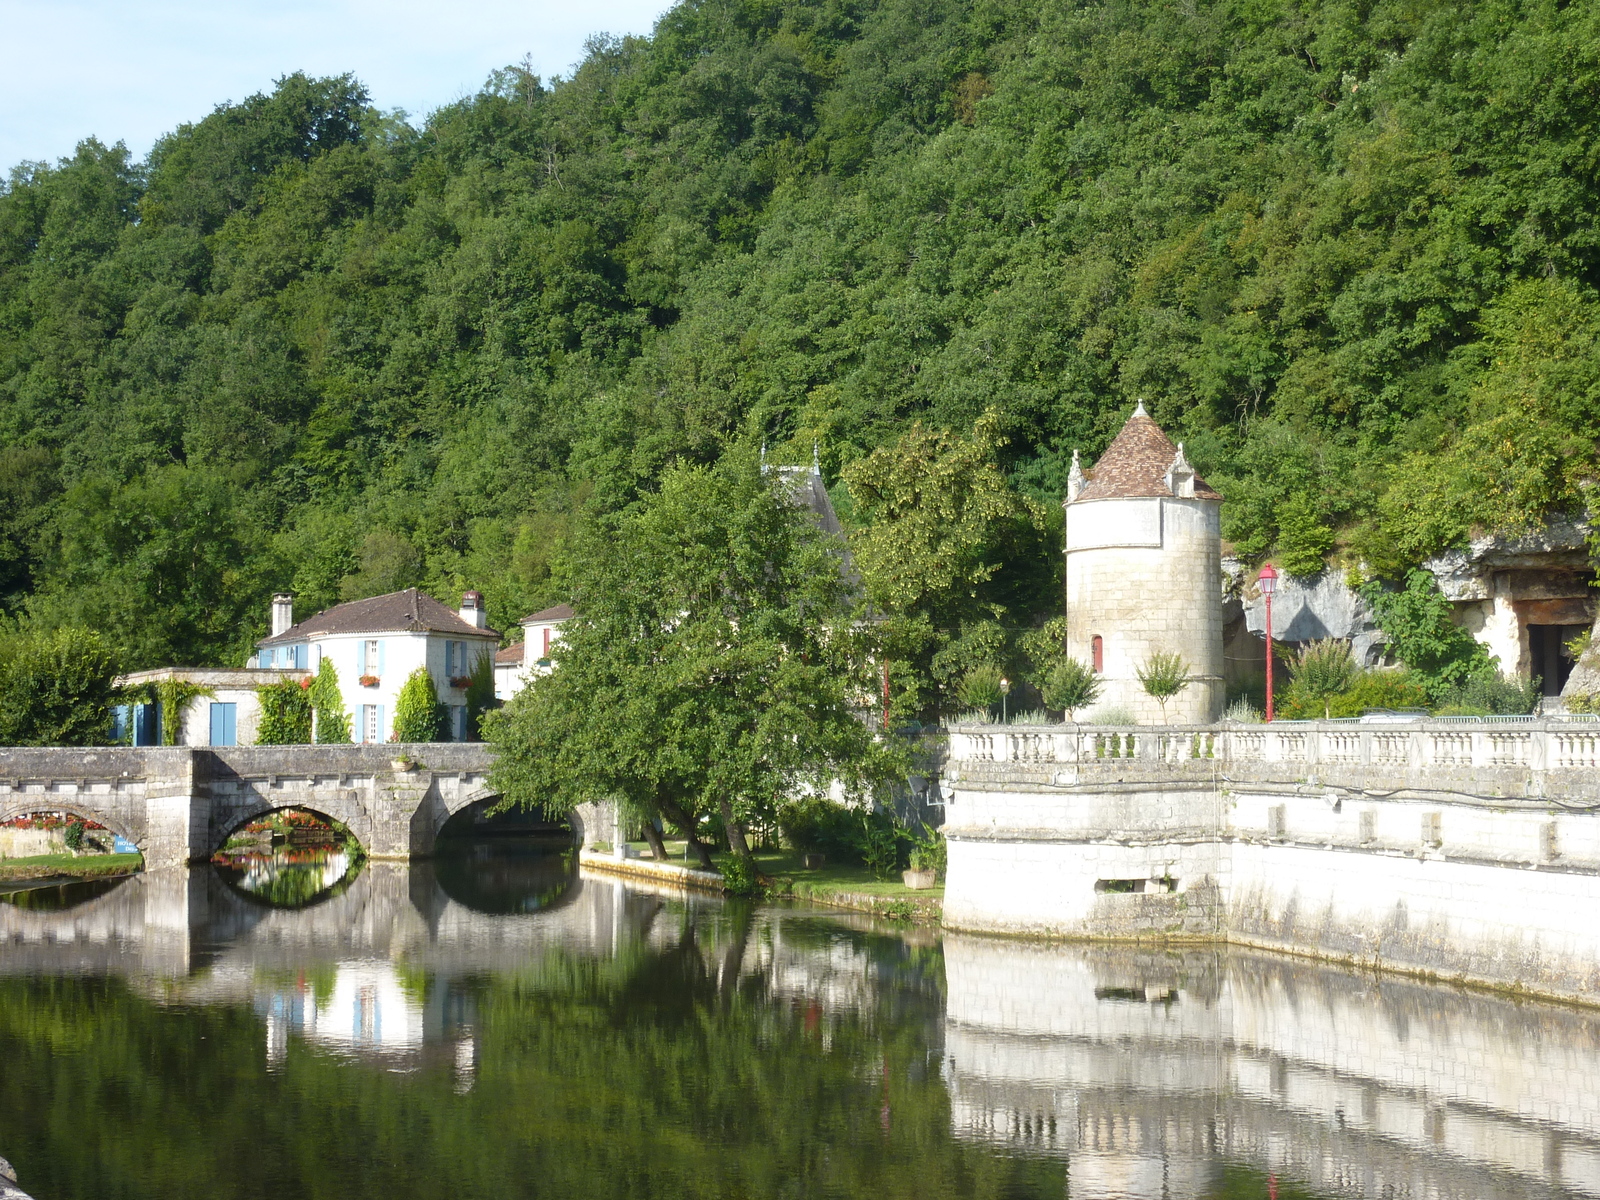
x=1144 y=575
x=1469 y=855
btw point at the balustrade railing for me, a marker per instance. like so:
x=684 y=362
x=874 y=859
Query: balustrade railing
x=1541 y=744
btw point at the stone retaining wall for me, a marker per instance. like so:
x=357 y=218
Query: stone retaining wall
x=1486 y=872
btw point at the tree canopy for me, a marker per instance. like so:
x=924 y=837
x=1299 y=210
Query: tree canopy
x=1345 y=250
x=713 y=666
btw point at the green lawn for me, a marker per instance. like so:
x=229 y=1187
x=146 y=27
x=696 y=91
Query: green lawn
x=40 y=866
x=783 y=867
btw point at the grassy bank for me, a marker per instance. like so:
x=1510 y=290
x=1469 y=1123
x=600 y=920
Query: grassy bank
x=843 y=885
x=53 y=866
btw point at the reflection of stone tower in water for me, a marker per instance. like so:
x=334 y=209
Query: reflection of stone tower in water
x=1144 y=573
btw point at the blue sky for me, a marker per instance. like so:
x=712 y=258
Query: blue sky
x=134 y=70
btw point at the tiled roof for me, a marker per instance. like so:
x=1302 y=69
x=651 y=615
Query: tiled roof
x=559 y=613
x=511 y=656
x=1136 y=463
x=409 y=611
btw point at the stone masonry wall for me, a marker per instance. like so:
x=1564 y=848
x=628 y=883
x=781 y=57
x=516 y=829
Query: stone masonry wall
x=1144 y=599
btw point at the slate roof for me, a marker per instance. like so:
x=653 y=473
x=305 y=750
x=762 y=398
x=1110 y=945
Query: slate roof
x=409 y=611
x=511 y=656
x=559 y=613
x=1135 y=464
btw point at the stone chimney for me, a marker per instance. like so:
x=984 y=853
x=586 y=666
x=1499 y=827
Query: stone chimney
x=282 y=612
x=472 y=609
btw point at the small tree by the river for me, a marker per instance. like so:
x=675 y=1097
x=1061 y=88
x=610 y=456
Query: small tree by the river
x=713 y=667
x=1163 y=676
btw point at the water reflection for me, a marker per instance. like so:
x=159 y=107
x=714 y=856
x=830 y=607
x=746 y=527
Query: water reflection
x=564 y=1035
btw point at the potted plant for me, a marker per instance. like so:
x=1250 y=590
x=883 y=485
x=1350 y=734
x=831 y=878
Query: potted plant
x=927 y=860
x=369 y=681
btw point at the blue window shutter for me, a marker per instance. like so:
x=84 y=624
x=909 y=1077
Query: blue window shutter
x=449 y=654
x=216 y=725
x=233 y=724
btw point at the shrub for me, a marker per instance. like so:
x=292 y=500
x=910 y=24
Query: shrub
x=929 y=850
x=418 y=714
x=332 y=726
x=1370 y=690
x=1490 y=693
x=739 y=876
x=1163 y=676
x=980 y=688
x=878 y=843
x=74 y=836
x=1113 y=716
x=285 y=715
x=1416 y=619
x=818 y=825
x=1070 y=685
x=1243 y=711
x=56 y=688
x=1321 y=671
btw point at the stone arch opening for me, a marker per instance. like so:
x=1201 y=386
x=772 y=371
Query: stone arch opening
x=292 y=856
x=36 y=825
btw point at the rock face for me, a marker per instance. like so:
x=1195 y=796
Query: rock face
x=1304 y=609
x=1553 y=553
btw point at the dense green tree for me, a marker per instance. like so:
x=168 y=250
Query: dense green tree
x=1346 y=251
x=56 y=687
x=712 y=667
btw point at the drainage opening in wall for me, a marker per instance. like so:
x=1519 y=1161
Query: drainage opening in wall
x=1123 y=887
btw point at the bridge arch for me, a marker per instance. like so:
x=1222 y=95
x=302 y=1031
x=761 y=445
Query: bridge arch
x=347 y=811
x=83 y=805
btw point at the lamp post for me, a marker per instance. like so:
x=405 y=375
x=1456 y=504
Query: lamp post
x=1005 y=690
x=1268 y=581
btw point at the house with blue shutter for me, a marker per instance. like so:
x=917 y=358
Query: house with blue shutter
x=375 y=645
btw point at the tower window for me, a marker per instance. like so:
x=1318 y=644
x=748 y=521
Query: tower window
x=1097 y=651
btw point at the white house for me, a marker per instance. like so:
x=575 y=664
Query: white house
x=516 y=665
x=375 y=644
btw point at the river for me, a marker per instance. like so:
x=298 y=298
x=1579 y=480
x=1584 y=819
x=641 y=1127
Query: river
x=489 y=1025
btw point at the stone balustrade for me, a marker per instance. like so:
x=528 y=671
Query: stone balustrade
x=1517 y=758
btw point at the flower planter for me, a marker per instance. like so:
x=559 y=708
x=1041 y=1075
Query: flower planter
x=919 y=881
x=369 y=681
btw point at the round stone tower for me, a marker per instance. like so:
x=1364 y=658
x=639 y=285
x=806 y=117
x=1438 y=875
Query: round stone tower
x=1144 y=573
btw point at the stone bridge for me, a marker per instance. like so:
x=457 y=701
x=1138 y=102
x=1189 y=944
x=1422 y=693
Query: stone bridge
x=179 y=804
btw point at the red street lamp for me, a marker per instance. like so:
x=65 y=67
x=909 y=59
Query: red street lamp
x=1268 y=582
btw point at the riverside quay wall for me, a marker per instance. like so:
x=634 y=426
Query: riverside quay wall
x=1465 y=851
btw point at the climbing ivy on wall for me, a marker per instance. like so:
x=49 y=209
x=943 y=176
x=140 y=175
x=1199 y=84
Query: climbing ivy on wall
x=285 y=714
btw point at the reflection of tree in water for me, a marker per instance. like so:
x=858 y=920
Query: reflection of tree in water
x=290 y=859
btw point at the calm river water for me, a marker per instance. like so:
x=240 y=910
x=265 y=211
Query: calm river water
x=490 y=1026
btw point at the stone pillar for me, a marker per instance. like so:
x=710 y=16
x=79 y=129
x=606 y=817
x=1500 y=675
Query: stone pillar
x=177 y=809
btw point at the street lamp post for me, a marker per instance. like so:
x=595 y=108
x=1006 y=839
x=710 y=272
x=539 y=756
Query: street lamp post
x=1268 y=581
x=1005 y=690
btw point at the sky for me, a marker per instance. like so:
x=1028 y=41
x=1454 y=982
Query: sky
x=132 y=70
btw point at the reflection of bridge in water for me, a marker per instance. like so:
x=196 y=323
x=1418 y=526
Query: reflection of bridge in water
x=1143 y=1070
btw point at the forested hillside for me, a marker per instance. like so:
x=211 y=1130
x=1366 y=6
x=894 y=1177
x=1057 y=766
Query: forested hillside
x=1347 y=251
